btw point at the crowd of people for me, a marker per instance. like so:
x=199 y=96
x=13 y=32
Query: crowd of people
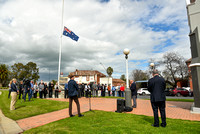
x=97 y=90
x=73 y=91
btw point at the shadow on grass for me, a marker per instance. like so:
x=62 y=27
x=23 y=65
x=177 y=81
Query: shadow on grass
x=20 y=106
x=148 y=119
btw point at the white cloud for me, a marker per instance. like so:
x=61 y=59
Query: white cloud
x=30 y=31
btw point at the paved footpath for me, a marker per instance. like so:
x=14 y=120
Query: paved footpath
x=175 y=110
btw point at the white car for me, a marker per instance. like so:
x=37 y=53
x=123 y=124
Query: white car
x=143 y=91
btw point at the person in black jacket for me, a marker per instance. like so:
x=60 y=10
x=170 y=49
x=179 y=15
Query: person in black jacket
x=133 y=93
x=73 y=95
x=156 y=86
x=21 y=88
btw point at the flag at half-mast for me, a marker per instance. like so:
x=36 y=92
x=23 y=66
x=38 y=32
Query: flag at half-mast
x=70 y=34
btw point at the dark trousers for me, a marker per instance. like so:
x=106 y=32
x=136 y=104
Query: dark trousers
x=119 y=92
x=103 y=93
x=66 y=94
x=50 y=93
x=113 y=93
x=56 y=94
x=134 y=101
x=86 y=94
x=9 y=93
x=35 y=94
x=27 y=91
x=108 y=93
x=75 y=98
x=45 y=93
x=79 y=93
x=161 y=106
x=41 y=94
x=82 y=92
x=20 y=94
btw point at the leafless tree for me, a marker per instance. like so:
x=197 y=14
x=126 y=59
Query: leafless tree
x=139 y=75
x=175 y=68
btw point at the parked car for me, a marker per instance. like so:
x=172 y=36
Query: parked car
x=180 y=91
x=190 y=91
x=143 y=91
x=168 y=91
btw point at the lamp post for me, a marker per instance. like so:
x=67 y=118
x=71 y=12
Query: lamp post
x=152 y=67
x=127 y=90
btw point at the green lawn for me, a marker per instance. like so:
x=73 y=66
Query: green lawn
x=117 y=123
x=182 y=100
x=167 y=99
x=28 y=109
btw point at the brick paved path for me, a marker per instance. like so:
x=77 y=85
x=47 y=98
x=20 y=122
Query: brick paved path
x=175 y=110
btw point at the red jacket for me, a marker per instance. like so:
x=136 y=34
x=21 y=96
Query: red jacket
x=122 y=88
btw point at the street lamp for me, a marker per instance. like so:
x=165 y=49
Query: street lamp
x=152 y=67
x=127 y=90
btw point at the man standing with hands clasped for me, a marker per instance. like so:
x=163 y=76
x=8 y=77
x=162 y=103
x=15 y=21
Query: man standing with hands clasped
x=73 y=95
x=156 y=87
x=133 y=93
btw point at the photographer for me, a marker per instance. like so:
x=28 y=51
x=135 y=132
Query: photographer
x=31 y=90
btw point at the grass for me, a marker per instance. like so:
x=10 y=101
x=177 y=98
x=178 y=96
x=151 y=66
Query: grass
x=167 y=99
x=182 y=100
x=29 y=108
x=117 y=123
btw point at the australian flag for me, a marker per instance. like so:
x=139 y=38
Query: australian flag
x=70 y=34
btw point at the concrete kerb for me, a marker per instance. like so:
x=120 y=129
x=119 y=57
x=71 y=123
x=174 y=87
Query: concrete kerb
x=8 y=126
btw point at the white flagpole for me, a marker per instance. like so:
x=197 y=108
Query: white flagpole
x=60 y=45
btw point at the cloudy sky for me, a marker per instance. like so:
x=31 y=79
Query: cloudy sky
x=30 y=30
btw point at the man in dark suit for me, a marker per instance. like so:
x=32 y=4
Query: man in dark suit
x=133 y=93
x=73 y=95
x=156 y=87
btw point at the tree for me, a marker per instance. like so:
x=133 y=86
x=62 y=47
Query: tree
x=4 y=74
x=32 y=71
x=18 y=71
x=175 y=68
x=109 y=71
x=28 y=71
x=123 y=77
x=139 y=75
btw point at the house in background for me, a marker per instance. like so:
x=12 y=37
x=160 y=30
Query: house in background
x=87 y=76
x=90 y=76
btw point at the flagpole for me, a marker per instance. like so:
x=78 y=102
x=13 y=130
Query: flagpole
x=60 y=50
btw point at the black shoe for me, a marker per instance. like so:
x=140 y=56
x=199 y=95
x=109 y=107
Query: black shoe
x=80 y=115
x=133 y=106
x=163 y=125
x=155 y=125
x=72 y=115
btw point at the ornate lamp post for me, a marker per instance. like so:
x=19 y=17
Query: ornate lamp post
x=127 y=90
x=152 y=65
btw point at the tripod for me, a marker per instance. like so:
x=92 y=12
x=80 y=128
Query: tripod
x=90 y=104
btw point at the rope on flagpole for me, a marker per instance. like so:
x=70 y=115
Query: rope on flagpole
x=60 y=50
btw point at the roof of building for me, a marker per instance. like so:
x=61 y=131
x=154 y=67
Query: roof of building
x=86 y=73
x=188 y=61
x=118 y=81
